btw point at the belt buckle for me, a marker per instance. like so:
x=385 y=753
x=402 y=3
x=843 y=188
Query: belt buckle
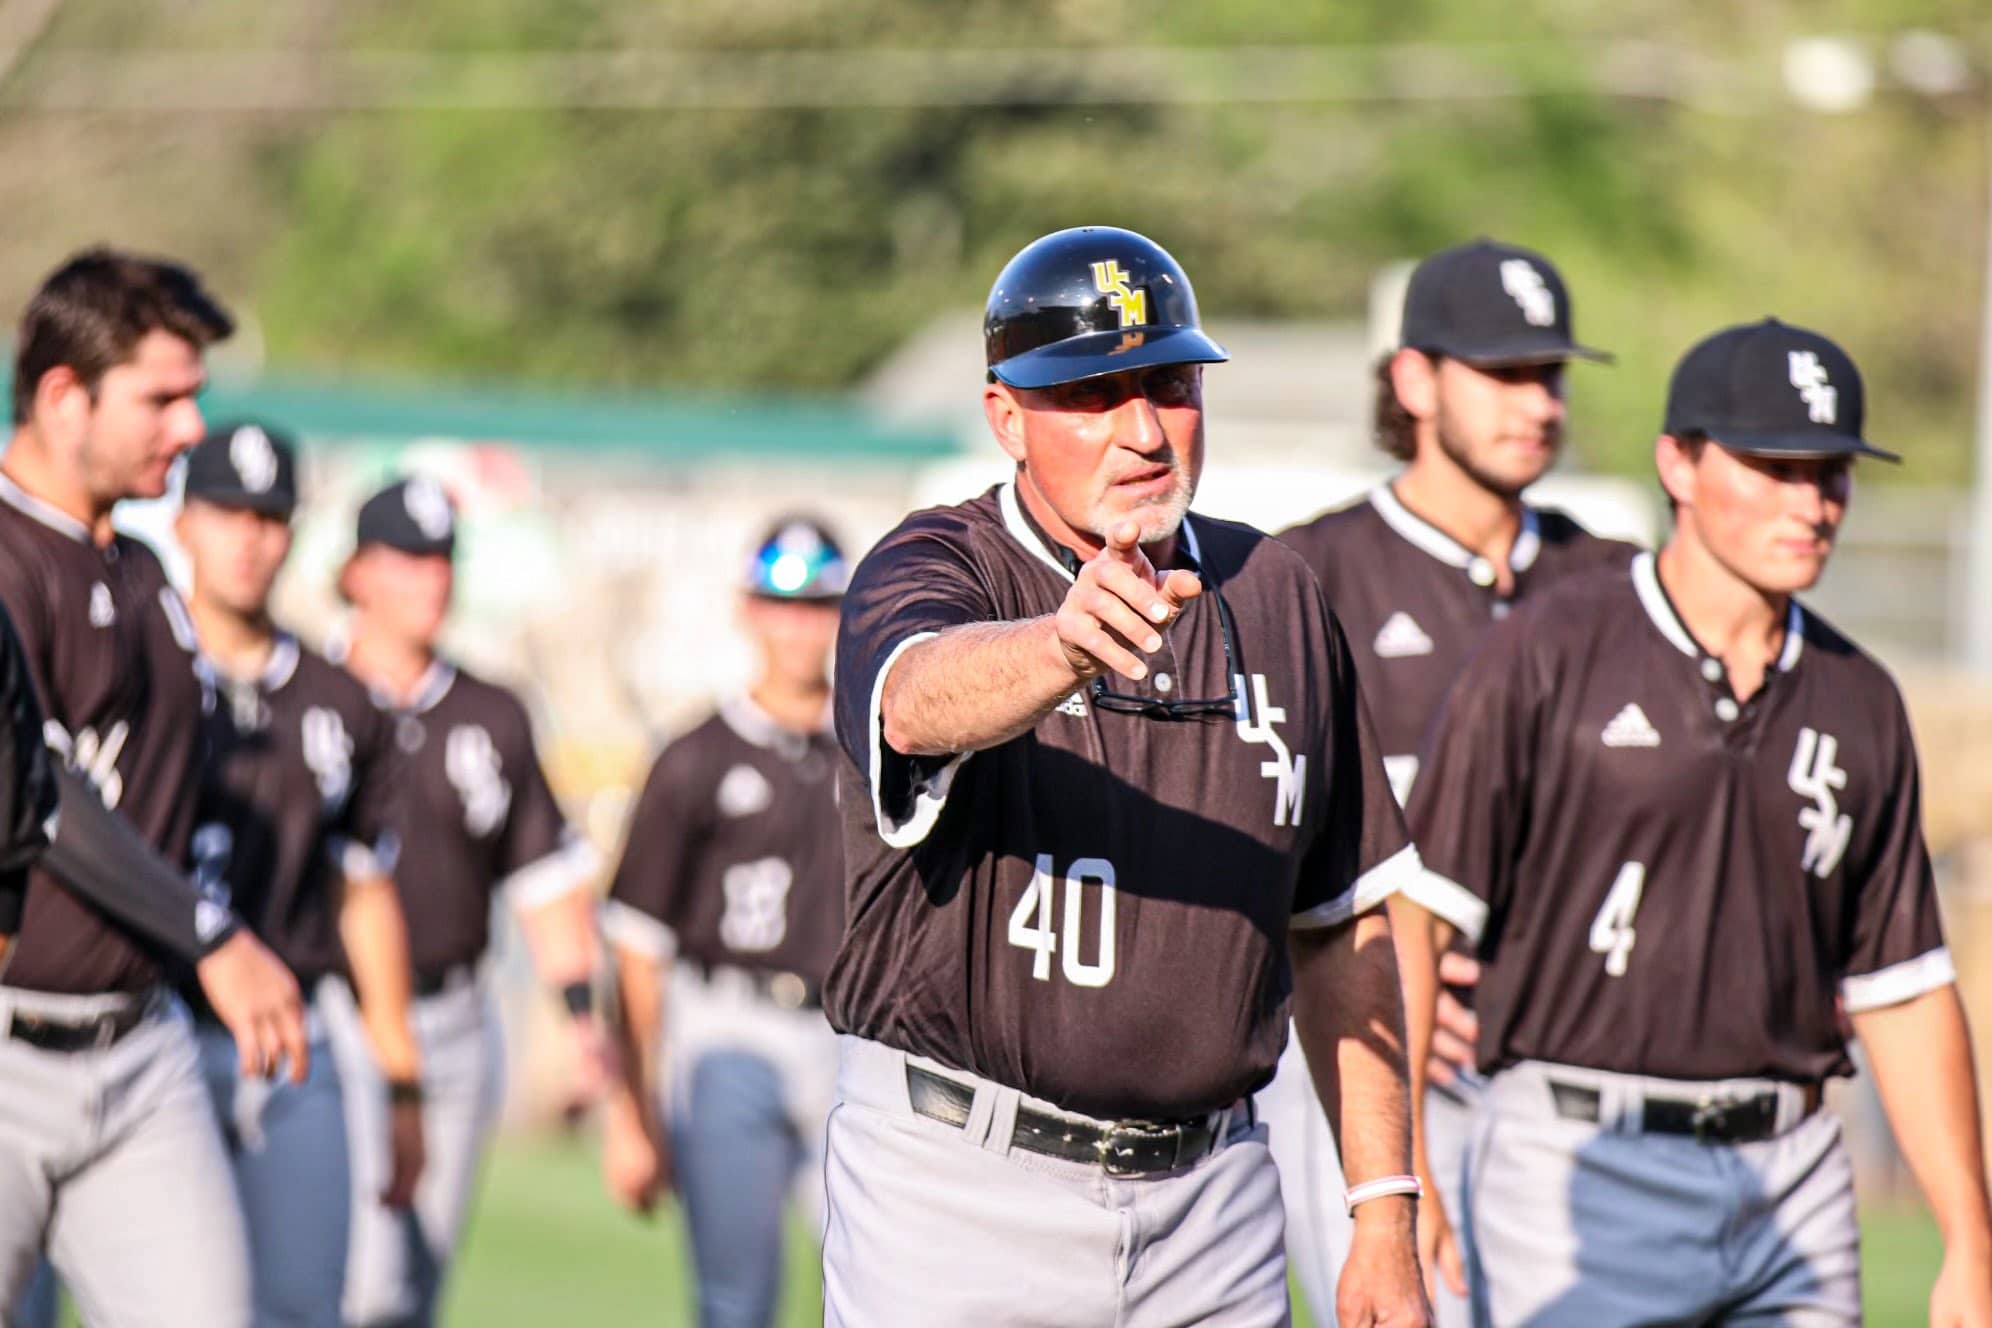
x=1111 y=1149
x=1711 y=1117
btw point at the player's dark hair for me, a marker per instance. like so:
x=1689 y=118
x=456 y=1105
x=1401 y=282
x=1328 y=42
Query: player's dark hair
x=1393 y=428
x=91 y=313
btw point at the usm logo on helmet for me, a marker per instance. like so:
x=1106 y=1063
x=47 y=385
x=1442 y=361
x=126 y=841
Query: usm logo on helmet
x=1130 y=304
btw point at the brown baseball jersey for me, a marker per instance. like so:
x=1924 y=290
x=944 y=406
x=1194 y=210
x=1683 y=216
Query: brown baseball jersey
x=736 y=850
x=298 y=784
x=110 y=648
x=1415 y=602
x=28 y=798
x=1664 y=880
x=1096 y=912
x=477 y=811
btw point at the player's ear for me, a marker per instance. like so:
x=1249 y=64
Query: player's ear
x=1675 y=461
x=62 y=399
x=1415 y=376
x=1006 y=419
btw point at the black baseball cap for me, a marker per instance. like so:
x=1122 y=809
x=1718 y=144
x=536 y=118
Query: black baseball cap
x=1771 y=389
x=798 y=559
x=244 y=465
x=1491 y=304
x=414 y=515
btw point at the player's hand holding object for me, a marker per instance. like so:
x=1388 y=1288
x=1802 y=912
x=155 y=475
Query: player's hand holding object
x=1119 y=604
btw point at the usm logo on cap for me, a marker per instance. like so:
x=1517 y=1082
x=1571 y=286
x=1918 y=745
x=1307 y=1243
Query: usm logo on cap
x=1130 y=304
x=254 y=458
x=1808 y=375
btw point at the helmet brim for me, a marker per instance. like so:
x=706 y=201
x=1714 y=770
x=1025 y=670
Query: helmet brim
x=1097 y=354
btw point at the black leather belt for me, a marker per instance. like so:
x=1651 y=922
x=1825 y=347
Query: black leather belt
x=1711 y=1119
x=1122 y=1148
x=447 y=979
x=67 y=1035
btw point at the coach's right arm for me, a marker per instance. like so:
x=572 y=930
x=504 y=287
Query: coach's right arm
x=979 y=684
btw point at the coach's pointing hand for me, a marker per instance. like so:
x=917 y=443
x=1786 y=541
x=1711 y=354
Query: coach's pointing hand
x=1120 y=605
x=257 y=999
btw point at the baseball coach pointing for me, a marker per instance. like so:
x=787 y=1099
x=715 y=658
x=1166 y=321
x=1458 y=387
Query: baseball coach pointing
x=1113 y=809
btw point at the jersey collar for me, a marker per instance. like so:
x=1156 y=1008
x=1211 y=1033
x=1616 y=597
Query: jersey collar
x=1653 y=598
x=757 y=727
x=429 y=690
x=1023 y=530
x=48 y=514
x=1421 y=533
x=278 y=669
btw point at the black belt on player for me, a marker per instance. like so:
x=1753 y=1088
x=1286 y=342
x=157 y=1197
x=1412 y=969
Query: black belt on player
x=791 y=991
x=1122 y=1148
x=1712 y=1119
x=66 y=1035
x=445 y=979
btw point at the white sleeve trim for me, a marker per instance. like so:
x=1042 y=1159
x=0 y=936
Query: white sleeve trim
x=929 y=796
x=1374 y=886
x=1898 y=982
x=353 y=859
x=1449 y=900
x=633 y=929
x=567 y=869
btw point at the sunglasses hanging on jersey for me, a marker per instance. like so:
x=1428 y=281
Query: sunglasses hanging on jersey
x=1157 y=707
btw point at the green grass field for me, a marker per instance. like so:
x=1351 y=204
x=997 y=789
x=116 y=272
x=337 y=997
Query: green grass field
x=547 y=1248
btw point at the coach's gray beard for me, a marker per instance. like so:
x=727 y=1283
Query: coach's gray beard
x=1159 y=518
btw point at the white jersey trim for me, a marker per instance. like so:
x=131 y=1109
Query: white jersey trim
x=43 y=511
x=931 y=794
x=1899 y=982
x=1417 y=531
x=633 y=929
x=353 y=859
x=1646 y=583
x=567 y=869
x=1450 y=900
x=1374 y=886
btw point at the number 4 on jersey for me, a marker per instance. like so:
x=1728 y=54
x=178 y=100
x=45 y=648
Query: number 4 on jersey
x=1033 y=923
x=1611 y=931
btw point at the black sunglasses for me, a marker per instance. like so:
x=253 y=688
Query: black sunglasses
x=1156 y=707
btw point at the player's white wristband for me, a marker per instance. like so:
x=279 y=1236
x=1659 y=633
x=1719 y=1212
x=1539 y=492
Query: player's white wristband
x=1382 y=1187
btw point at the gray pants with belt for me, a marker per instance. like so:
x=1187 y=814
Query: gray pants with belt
x=931 y=1223
x=398 y=1260
x=112 y=1166
x=1599 y=1224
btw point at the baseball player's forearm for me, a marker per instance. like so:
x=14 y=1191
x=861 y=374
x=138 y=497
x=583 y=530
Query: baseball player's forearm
x=640 y=986
x=375 y=936
x=1349 y=1011
x=102 y=858
x=974 y=687
x=1920 y=1051
x=1420 y=937
x=561 y=935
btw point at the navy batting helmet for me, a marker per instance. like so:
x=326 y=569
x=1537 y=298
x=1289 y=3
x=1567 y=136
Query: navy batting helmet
x=1090 y=301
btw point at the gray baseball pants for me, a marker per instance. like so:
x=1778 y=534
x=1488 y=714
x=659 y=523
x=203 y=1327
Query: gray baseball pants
x=933 y=1224
x=1318 y=1227
x=398 y=1260
x=1570 y=1222
x=112 y=1166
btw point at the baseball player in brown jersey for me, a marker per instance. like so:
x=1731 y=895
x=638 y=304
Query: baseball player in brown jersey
x=477 y=815
x=110 y=1161
x=1678 y=814
x=296 y=834
x=732 y=886
x=1113 y=809
x=1417 y=571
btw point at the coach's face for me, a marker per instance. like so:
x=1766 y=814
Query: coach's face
x=1501 y=424
x=1770 y=520
x=1095 y=453
x=141 y=418
x=406 y=595
x=236 y=554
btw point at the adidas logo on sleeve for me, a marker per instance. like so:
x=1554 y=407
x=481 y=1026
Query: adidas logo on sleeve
x=1630 y=728
x=1401 y=637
